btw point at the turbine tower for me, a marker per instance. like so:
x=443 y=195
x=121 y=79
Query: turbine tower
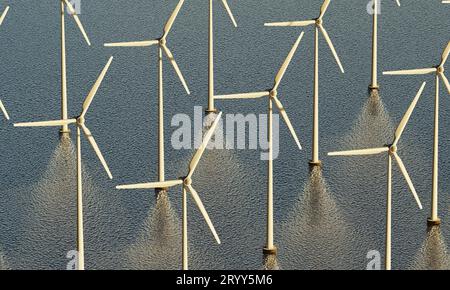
x=81 y=126
x=2 y=107
x=391 y=151
x=211 y=106
x=272 y=98
x=318 y=23
x=439 y=74
x=186 y=183
x=64 y=115
x=162 y=45
x=374 y=86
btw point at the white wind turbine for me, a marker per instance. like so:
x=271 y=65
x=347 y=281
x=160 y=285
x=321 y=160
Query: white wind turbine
x=162 y=43
x=391 y=151
x=318 y=23
x=72 y=11
x=211 y=106
x=186 y=183
x=439 y=72
x=272 y=97
x=374 y=84
x=2 y=107
x=81 y=126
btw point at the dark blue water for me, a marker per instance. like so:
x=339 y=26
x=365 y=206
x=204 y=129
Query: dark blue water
x=327 y=219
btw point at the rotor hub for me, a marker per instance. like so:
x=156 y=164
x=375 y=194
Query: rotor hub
x=187 y=181
x=393 y=149
x=273 y=93
x=80 y=120
x=319 y=21
x=440 y=70
x=162 y=41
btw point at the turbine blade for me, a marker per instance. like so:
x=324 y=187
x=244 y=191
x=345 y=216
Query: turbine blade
x=56 y=123
x=2 y=18
x=175 y=66
x=77 y=20
x=446 y=82
x=422 y=71
x=94 y=145
x=287 y=121
x=202 y=209
x=172 y=18
x=230 y=13
x=144 y=43
x=152 y=185
x=2 y=107
x=407 y=116
x=287 y=61
x=257 y=95
x=408 y=179
x=445 y=54
x=291 y=23
x=398 y=3
x=362 y=152
x=324 y=8
x=333 y=50
x=93 y=92
x=198 y=155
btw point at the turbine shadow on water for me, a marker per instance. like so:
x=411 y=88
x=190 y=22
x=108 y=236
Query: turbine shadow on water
x=373 y=126
x=316 y=231
x=50 y=232
x=236 y=203
x=433 y=254
x=360 y=181
x=159 y=245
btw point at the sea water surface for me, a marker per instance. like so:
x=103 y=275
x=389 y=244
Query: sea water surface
x=324 y=219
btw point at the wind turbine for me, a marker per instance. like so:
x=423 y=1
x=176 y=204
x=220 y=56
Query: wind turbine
x=391 y=151
x=72 y=11
x=162 y=44
x=439 y=72
x=318 y=23
x=186 y=183
x=81 y=126
x=374 y=86
x=2 y=107
x=211 y=105
x=272 y=97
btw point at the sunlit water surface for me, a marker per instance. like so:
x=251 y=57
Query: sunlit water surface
x=324 y=219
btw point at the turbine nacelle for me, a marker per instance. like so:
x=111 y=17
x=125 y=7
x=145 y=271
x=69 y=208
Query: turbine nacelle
x=392 y=149
x=80 y=120
x=162 y=41
x=273 y=94
x=187 y=181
